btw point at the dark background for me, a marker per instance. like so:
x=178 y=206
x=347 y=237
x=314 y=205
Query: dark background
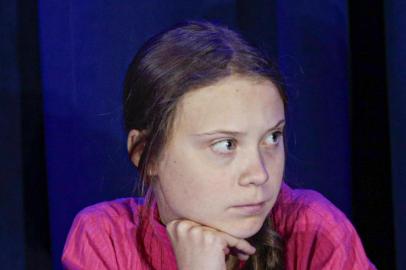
x=62 y=141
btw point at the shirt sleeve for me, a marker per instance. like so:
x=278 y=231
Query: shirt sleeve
x=325 y=239
x=331 y=248
x=89 y=245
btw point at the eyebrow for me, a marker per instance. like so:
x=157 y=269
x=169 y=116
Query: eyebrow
x=235 y=133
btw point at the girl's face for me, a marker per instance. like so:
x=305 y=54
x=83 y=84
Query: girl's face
x=223 y=164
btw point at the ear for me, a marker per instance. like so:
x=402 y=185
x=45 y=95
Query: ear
x=134 y=137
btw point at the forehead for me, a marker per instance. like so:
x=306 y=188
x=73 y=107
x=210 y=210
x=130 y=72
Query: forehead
x=234 y=102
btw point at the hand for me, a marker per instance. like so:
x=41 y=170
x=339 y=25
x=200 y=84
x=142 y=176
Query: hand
x=200 y=247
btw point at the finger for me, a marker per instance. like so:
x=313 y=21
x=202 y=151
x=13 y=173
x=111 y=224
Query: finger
x=184 y=222
x=243 y=257
x=176 y=228
x=171 y=227
x=180 y=227
x=172 y=223
x=240 y=244
x=239 y=254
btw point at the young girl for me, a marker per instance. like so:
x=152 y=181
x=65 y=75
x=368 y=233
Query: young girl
x=205 y=114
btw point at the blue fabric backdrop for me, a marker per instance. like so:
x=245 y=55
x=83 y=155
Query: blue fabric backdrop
x=11 y=182
x=396 y=62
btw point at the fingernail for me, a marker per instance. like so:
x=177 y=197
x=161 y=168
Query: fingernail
x=246 y=257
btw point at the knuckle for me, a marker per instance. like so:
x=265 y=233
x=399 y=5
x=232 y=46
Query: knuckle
x=195 y=231
x=183 y=226
x=171 y=225
x=211 y=238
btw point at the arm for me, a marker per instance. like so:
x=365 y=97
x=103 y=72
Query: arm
x=323 y=238
x=88 y=245
x=317 y=234
x=327 y=247
x=347 y=250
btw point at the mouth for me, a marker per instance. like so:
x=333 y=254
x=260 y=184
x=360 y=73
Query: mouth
x=250 y=208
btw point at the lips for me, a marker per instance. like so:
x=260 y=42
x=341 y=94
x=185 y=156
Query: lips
x=250 y=208
x=250 y=204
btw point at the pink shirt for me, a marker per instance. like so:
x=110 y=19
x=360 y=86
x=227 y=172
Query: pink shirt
x=316 y=234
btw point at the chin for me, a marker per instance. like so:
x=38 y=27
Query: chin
x=244 y=229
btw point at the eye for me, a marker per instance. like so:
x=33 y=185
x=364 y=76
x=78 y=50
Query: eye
x=224 y=146
x=273 y=138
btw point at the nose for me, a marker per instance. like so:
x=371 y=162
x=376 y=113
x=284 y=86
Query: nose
x=255 y=171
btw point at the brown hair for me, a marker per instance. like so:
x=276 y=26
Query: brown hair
x=188 y=56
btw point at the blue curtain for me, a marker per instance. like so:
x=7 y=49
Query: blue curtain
x=395 y=12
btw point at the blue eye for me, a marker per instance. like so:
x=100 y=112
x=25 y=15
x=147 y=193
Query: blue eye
x=273 y=138
x=224 y=146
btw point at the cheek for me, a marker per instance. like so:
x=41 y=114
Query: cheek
x=190 y=192
x=281 y=159
x=183 y=177
x=275 y=164
x=275 y=160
